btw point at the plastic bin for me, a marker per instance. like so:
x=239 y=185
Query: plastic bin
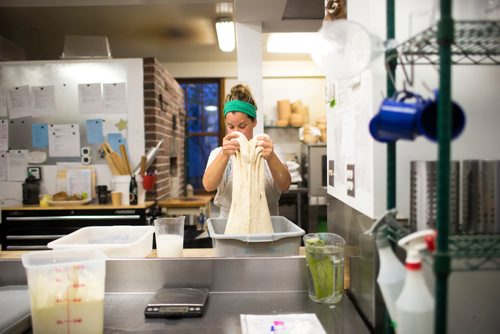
x=114 y=241
x=285 y=240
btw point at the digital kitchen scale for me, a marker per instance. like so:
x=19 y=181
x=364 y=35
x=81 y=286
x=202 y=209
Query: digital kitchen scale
x=175 y=303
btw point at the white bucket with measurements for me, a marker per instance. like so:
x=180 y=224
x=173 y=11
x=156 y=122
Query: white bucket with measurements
x=66 y=289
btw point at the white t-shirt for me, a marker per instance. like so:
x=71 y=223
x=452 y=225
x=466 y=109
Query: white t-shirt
x=225 y=188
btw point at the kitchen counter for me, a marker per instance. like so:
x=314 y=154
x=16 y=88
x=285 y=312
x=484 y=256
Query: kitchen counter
x=237 y=286
x=196 y=253
x=90 y=206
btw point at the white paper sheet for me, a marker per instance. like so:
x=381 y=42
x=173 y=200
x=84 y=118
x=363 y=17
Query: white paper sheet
x=17 y=164
x=3 y=166
x=4 y=135
x=115 y=124
x=79 y=181
x=43 y=101
x=18 y=102
x=298 y=323
x=64 y=140
x=114 y=98
x=89 y=98
x=3 y=103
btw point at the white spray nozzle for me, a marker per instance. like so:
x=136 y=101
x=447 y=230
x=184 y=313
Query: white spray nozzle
x=414 y=243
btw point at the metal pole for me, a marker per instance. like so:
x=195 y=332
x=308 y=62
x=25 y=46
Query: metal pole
x=391 y=147
x=442 y=258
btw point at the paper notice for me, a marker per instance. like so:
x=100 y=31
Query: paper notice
x=114 y=98
x=3 y=103
x=43 y=101
x=3 y=166
x=4 y=135
x=17 y=165
x=64 y=140
x=79 y=181
x=89 y=98
x=18 y=102
x=94 y=131
x=40 y=135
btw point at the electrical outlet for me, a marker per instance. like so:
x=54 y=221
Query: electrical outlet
x=350 y=178
x=331 y=173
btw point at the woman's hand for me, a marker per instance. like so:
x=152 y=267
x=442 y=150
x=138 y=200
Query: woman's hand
x=229 y=144
x=267 y=145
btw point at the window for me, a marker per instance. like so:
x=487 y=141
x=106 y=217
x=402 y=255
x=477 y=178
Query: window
x=204 y=125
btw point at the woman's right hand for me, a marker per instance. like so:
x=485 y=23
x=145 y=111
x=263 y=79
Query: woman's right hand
x=230 y=144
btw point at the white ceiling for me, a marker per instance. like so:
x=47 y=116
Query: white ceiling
x=170 y=30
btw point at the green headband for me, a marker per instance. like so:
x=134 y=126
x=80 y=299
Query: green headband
x=241 y=106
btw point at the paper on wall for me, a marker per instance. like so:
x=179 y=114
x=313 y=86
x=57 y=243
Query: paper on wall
x=40 y=135
x=4 y=135
x=114 y=98
x=18 y=102
x=79 y=181
x=3 y=103
x=43 y=101
x=17 y=164
x=114 y=124
x=95 y=131
x=64 y=140
x=89 y=98
x=3 y=166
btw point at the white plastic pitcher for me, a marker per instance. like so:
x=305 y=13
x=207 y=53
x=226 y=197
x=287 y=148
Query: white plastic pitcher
x=121 y=183
x=66 y=289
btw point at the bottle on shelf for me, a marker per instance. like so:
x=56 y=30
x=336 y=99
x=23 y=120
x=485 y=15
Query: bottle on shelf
x=392 y=273
x=133 y=191
x=415 y=305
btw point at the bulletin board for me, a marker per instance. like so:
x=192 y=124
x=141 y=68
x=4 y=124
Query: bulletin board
x=49 y=106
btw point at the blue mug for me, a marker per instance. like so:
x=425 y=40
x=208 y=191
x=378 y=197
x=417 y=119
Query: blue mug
x=407 y=115
x=427 y=119
x=396 y=117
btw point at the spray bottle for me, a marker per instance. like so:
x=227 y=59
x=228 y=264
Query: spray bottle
x=415 y=305
x=391 y=274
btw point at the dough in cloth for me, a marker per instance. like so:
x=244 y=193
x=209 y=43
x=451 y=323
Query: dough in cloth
x=249 y=213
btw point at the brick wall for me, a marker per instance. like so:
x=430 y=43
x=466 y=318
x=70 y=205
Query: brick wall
x=164 y=111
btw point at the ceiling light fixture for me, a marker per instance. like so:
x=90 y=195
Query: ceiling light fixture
x=296 y=42
x=225 y=34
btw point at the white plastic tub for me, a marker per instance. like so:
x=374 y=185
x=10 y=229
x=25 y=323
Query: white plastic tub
x=285 y=240
x=114 y=241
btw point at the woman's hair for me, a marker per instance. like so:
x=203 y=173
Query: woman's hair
x=242 y=93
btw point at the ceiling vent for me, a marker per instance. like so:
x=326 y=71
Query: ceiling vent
x=304 y=10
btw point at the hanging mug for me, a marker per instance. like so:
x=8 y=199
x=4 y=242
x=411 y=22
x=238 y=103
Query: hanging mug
x=396 y=117
x=407 y=115
x=427 y=119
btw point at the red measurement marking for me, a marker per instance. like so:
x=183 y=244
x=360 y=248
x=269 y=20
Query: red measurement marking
x=59 y=300
x=76 y=285
x=60 y=322
x=77 y=300
x=78 y=266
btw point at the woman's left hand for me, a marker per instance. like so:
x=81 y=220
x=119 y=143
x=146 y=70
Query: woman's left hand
x=267 y=145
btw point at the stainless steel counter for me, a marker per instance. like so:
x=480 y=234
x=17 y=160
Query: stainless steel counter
x=237 y=286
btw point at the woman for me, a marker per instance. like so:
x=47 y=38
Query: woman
x=240 y=115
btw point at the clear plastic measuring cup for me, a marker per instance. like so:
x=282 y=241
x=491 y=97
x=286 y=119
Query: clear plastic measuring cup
x=66 y=289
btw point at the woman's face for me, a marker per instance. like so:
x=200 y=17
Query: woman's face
x=238 y=121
